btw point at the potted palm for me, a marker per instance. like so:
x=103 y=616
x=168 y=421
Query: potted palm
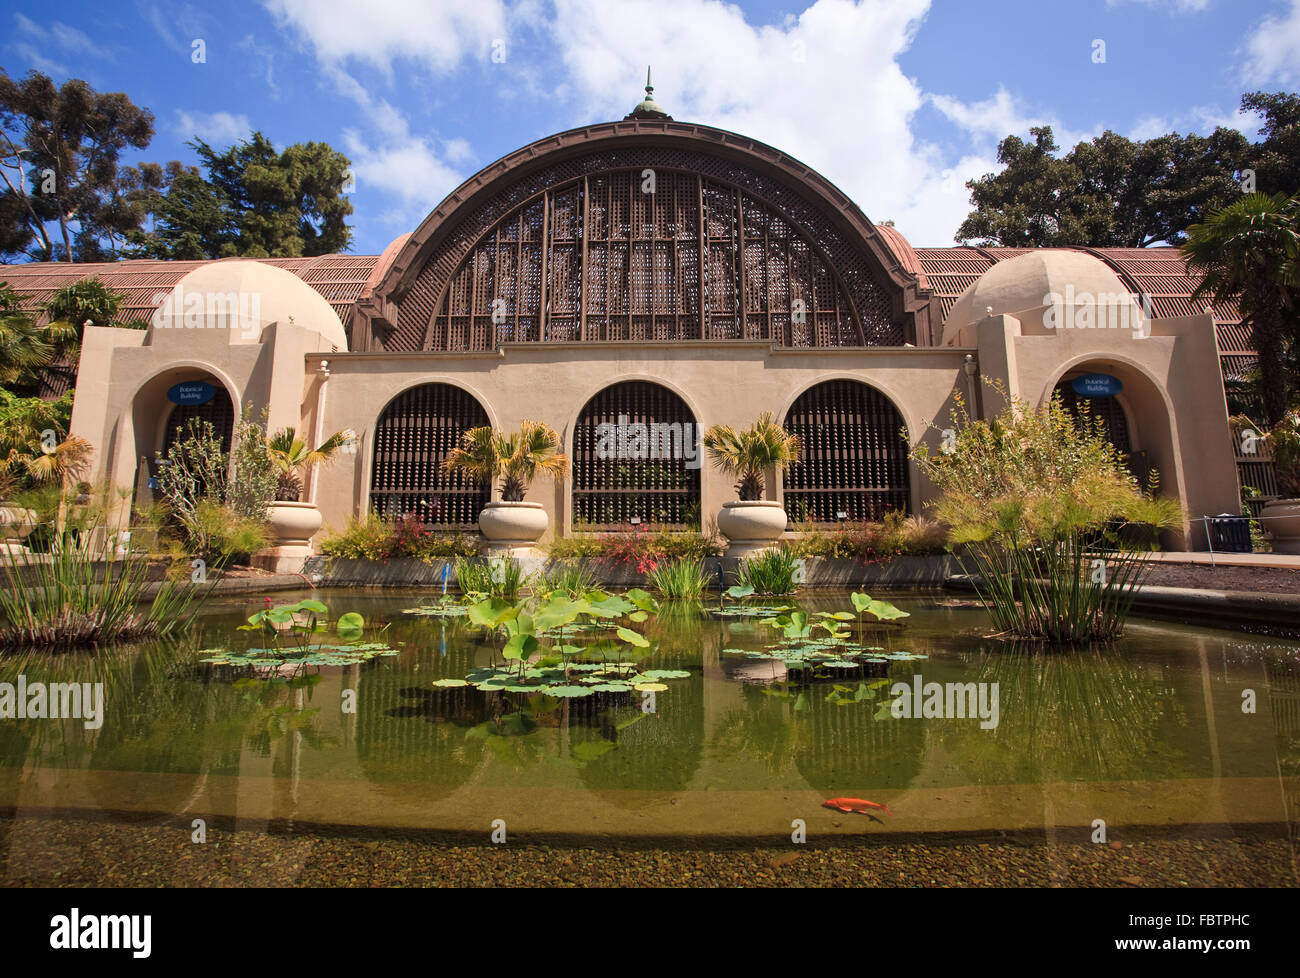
x=516 y=458
x=753 y=523
x=293 y=522
x=1281 y=516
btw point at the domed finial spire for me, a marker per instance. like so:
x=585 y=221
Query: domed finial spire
x=648 y=108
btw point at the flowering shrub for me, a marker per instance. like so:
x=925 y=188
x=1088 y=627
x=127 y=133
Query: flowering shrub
x=871 y=543
x=644 y=550
x=374 y=538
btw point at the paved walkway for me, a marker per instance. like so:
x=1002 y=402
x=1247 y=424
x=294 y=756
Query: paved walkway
x=1229 y=559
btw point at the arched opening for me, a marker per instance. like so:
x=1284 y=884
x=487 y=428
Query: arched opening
x=1114 y=420
x=162 y=409
x=413 y=437
x=636 y=460
x=854 y=462
x=217 y=411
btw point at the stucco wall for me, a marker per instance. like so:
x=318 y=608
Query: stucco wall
x=722 y=383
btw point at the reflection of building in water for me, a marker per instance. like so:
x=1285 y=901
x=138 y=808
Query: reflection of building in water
x=673 y=273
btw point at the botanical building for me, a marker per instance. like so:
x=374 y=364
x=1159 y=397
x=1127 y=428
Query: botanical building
x=666 y=274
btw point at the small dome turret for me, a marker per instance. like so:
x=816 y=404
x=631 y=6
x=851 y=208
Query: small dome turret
x=648 y=108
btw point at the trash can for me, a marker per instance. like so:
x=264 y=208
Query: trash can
x=1230 y=534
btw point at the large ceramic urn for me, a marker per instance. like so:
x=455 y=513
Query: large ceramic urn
x=1280 y=520
x=510 y=526
x=751 y=525
x=292 y=527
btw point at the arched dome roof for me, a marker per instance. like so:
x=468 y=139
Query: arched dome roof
x=1020 y=286
x=260 y=294
x=552 y=243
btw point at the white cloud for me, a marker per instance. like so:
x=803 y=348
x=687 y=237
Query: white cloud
x=824 y=86
x=218 y=128
x=1177 y=6
x=59 y=35
x=1002 y=115
x=1273 y=49
x=394 y=160
x=34 y=59
x=439 y=33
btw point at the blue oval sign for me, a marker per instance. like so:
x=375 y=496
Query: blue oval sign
x=1097 y=385
x=191 y=392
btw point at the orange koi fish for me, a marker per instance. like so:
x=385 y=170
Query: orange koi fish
x=859 y=805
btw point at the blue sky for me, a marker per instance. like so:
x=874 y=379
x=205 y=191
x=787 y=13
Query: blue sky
x=897 y=101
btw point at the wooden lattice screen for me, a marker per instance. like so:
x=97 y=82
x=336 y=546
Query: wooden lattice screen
x=416 y=432
x=854 y=459
x=219 y=412
x=608 y=493
x=600 y=258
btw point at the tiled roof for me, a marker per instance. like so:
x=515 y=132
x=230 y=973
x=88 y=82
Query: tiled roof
x=342 y=279
x=339 y=278
x=1158 y=272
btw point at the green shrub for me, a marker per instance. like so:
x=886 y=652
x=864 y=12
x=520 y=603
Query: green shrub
x=895 y=536
x=220 y=536
x=679 y=578
x=368 y=538
x=774 y=571
x=639 y=549
x=1051 y=523
x=374 y=538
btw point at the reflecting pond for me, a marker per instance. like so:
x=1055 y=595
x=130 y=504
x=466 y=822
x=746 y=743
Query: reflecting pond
x=1177 y=729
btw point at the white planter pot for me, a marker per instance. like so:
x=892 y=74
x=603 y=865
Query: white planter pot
x=1280 y=519
x=513 y=525
x=293 y=524
x=15 y=523
x=752 y=525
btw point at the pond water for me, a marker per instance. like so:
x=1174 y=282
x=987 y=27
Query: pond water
x=1179 y=730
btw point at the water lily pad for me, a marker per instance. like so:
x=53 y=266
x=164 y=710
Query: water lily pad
x=451 y=683
x=667 y=674
x=650 y=687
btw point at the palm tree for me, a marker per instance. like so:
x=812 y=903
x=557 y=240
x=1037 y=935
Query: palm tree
x=293 y=459
x=23 y=345
x=1247 y=252
x=35 y=446
x=748 y=453
x=516 y=457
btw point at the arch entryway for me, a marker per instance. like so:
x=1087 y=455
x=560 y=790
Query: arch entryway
x=854 y=463
x=636 y=460
x=1111 y=411
x=415 y=433
x=217 y=410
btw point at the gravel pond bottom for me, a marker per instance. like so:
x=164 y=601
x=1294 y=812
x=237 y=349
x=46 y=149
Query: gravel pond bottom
x=71 y=852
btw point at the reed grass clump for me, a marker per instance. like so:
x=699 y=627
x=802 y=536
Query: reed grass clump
x=682 y=579
x=88 y=591
x=774 y=571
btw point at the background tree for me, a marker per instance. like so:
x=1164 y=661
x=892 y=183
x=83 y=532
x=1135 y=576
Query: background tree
x=1107 y=192
x=1276 y=160
x=255 y=202
x=63 y=194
